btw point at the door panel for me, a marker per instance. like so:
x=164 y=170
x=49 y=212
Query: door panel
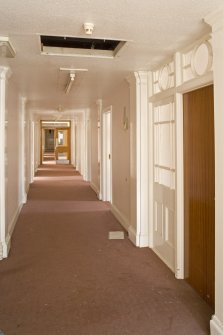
x=164 y=181
x=199 y=191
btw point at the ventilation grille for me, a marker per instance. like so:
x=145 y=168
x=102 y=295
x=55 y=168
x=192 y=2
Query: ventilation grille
x=76 y=46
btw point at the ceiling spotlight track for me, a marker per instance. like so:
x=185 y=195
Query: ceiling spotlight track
x=70 y=82
x=6 y=48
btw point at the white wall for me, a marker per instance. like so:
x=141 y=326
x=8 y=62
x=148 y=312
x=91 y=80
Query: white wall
x=14 y=196
x=95 y=164
x=119 y=100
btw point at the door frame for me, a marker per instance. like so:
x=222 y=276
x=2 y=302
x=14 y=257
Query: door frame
x=179 y=179
x=104 y=155
x=179 y=269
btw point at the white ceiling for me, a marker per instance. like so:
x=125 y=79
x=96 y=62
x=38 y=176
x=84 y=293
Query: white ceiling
x=154 y=29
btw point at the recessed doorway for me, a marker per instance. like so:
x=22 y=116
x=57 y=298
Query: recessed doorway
x=199 y=191
x=55 y=142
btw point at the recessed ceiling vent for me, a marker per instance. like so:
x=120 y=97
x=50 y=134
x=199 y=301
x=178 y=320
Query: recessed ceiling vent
x=76 y=46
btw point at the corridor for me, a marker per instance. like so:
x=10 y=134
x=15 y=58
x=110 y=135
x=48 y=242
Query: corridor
x=64 y=276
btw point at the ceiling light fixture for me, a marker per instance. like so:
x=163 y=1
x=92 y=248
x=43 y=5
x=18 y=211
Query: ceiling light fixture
x=6 y=48
x=69 y=83
x=72 y=70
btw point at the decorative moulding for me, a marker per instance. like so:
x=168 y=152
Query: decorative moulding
x=164 y=80
x=202 y=51
x=215 y=19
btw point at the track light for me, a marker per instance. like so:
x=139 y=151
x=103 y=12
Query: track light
x=69 y=83
x=6 y=48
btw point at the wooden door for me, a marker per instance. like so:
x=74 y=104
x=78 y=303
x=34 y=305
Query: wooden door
x=199 y=191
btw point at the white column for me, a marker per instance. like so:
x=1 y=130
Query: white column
x=216 y=21
x=139 y=225
x=3 y=79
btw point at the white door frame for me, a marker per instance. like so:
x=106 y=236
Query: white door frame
x=106 y=142
x=4 y=73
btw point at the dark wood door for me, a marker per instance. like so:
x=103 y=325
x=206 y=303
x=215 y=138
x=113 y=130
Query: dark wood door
x=199 y=191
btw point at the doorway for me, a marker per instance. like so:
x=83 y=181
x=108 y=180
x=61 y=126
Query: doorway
x=49 y=145
x=199 y=191
x=55 y=142
x=107 y=158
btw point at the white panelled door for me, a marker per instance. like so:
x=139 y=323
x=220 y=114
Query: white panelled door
x=164 y=181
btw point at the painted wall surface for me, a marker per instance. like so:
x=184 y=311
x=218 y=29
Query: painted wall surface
x=120 y=102
x=12 y=151
x=95 y=167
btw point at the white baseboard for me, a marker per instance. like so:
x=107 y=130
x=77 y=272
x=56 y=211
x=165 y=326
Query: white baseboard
x=120 y=217
x=1 y=251
x=138 y=240
x=7 y=243
x=216 y=326
x=95 y=189
x=163 y=259
x=132 y=236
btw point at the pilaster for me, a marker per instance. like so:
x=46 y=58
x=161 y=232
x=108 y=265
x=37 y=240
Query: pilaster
x=215 y=20
x=4 y=74
x=138 y=230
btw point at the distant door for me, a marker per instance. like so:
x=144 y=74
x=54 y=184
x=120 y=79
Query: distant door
x=49 y=140
x=199 y=191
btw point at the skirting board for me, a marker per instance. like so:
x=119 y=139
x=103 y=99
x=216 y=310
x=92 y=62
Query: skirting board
x=120 y=217
x=95 y=189
x=1 y=251
x=132 y=236
x=216 y=326
x=138 y=240
x=163 y=259
x=7 y=244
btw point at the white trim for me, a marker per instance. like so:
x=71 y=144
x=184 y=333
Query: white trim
x=4 y=74
x=163 y=259
x=151 y=175
x=216 y=326
x=142 y=158
x=120 y=217
x=104 y=155
x=94 y=188
x=100 y=146
x=132 y=236
x=214 y=19
x=139 y=240
x=179 y=233
x=7 y=244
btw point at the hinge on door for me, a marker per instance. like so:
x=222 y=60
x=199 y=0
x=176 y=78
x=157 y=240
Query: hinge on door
x=109 y=156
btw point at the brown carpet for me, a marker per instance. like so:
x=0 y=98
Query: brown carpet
x=64 y=276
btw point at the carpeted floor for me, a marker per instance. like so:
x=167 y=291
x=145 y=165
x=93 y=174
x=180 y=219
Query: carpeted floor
x=64 y=276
